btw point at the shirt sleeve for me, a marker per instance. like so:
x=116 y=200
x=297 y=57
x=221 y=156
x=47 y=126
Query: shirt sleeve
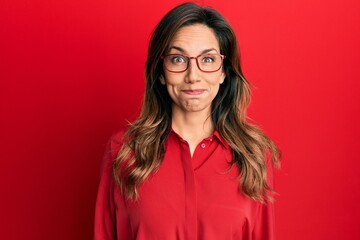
x=264 y=228
x=111 y=221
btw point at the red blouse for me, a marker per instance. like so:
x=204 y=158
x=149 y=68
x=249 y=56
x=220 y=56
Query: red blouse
x=188 y=198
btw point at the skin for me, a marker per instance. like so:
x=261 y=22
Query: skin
x=193 y=91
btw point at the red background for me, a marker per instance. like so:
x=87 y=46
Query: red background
x=72 y=71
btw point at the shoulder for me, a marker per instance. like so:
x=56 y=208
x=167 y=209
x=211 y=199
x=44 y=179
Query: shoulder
x=116 y=141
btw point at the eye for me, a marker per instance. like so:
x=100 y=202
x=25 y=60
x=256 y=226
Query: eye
x=177 y=59
x=208 y=59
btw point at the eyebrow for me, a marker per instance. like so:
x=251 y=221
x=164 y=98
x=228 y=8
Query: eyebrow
x=183 y=51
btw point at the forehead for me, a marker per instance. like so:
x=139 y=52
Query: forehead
x=195 y=38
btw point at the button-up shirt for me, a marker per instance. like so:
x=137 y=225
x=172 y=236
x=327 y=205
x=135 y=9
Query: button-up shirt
x=187 y=198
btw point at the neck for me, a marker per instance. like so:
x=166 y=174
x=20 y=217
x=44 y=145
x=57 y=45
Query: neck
x=192 y=126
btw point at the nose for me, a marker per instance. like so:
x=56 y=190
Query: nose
x=192 y=73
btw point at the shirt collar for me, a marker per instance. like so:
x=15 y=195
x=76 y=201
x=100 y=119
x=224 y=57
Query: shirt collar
x=221 y=139
x=215 y=134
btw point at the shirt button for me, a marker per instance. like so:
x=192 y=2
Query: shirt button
x=210 y=139
x=203 y=145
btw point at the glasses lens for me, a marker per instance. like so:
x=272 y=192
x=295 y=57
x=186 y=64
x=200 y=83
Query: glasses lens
x=176 y=63
x=206 y=62
x=210 y=62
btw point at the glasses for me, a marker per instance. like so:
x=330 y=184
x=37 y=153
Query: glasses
x=178 y=63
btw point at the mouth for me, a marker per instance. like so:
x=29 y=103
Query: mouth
x=194 y=92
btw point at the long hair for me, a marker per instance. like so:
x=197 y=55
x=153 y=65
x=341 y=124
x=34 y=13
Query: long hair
x=143 y=145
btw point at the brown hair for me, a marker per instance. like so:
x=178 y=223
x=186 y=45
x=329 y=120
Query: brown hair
x=143 y=148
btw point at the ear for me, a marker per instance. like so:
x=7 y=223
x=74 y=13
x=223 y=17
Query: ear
x=222 y=77
x=162 y=80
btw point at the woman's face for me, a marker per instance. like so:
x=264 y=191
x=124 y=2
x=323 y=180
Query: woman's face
x=193 y=90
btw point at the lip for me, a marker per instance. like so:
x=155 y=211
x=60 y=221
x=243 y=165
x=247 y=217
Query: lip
x=193 y=92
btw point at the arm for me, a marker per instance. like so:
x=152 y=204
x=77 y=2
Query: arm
x=264 y=228
x=111 y=220
x=105 y=221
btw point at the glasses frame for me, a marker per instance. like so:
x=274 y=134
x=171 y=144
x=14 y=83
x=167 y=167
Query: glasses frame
x=197 y=62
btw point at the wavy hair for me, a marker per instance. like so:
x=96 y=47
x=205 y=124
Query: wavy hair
x=143 y=145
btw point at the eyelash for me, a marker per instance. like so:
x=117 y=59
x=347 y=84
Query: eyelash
x=175 y=58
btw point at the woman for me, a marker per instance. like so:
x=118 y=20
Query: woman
x=191 y=166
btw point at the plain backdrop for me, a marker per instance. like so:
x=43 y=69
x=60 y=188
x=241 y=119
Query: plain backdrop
x=71 y=74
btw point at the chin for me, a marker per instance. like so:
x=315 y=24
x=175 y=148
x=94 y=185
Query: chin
x=195 y=108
